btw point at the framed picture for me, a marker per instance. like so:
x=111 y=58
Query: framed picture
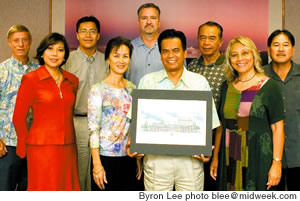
x=172 y=122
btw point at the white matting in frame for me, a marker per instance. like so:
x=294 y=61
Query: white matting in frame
x=172 y=122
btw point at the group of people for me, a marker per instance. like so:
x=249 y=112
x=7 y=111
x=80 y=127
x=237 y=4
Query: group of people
x=65 y=123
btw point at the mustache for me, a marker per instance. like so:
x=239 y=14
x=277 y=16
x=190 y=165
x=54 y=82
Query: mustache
x=149 y=25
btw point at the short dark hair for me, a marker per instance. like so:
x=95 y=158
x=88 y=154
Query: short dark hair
x=115 y=43
x=88 y=19
x=278 y=32
x=211 y=23
x=172 y=33
x=148 y=5
x=52 y=39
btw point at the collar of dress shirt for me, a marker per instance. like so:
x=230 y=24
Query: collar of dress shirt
x=141 y=43
x=220 y=60
x=184 y=77
x=20 y=64
x=44 y=74
x=90 y=59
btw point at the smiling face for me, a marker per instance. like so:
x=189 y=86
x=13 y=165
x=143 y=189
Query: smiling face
x=88 y=36
x=19 y=42
x=148 y=21
x=242 y=59
x=54 y=55
x=172 y=54
x=209 y=40
x=281 y=50
x=119 y=60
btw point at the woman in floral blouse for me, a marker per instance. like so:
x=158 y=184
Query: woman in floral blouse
x=108 y=105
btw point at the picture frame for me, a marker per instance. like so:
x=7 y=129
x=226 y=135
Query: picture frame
x=171 y=122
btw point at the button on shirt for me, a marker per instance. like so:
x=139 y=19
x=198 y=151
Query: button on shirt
x=291 y=101
x=89 y=70
x=11 y=72
x=143 y=61
x=188 y=81
x=213 y=72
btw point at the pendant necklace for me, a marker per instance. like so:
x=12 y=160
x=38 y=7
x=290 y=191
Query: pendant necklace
x=57 y=79
x=57 y=83
x=246 y=80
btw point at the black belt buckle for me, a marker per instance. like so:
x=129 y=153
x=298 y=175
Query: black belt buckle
x=80 y=115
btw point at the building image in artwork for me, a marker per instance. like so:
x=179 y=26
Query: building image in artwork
x=181 y=125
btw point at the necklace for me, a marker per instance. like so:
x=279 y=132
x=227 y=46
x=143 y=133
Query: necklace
x=246 y=80
x=116 y=84
x=57 y=79
x=57 y=83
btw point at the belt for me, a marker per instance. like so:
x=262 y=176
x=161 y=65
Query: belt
x=80 y=115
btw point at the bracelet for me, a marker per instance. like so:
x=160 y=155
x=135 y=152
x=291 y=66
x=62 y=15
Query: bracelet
x=277 y=159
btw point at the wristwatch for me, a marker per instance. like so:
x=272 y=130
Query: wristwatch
x=276 y=159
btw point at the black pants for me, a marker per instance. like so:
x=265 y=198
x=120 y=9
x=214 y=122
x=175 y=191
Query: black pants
x=209 y=183
x=290 y=178
x=120 y=174
x=13 y=171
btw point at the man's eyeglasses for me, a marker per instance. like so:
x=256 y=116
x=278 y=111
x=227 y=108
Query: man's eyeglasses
x=84 y=31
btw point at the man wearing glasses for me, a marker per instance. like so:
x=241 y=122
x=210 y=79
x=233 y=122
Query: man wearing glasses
x=88 y=64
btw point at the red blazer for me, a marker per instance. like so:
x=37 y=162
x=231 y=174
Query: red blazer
x=52 y=115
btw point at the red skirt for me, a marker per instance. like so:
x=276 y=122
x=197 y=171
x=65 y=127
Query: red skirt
x=52 y=168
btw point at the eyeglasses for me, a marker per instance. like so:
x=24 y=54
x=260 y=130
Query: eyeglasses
x=91 y=31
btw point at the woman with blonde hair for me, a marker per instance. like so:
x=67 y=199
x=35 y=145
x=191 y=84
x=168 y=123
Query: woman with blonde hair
x=248 y=148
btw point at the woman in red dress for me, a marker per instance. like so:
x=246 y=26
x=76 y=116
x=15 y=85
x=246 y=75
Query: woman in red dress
x=49 y=143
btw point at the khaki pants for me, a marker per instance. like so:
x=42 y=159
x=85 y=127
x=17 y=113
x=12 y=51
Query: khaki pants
x=84 y=154
x=162 y=172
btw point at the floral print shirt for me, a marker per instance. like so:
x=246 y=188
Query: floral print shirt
x=107 y=118
x=11 y=72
